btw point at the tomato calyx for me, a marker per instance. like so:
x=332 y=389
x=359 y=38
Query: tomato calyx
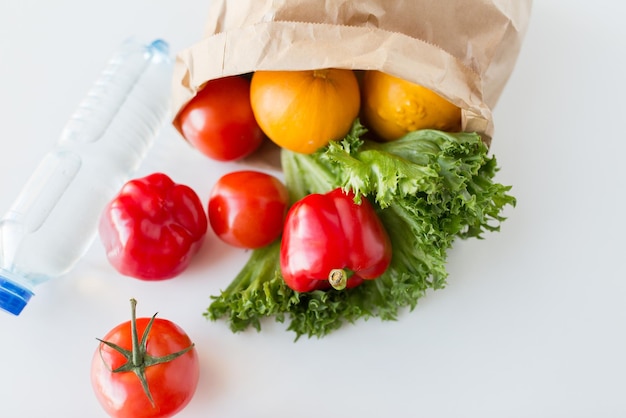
x=138 y=359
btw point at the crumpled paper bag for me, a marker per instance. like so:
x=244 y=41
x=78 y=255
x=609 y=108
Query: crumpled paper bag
x=465 y=50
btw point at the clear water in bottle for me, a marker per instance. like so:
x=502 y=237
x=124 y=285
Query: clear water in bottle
x=54 y=220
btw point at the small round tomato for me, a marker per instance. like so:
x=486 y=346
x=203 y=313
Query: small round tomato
x=165 y=360
x=219 y=121
x=303 y=110
x=247 y=208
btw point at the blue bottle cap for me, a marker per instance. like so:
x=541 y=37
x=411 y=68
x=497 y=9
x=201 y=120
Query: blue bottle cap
x=13 y=297
x=161 y=46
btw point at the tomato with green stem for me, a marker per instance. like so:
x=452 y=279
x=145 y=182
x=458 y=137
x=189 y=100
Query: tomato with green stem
x=152 y=377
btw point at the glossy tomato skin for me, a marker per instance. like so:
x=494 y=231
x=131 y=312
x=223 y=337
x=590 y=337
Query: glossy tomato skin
x=172 y=384
x=247 y=208
x=219 y=121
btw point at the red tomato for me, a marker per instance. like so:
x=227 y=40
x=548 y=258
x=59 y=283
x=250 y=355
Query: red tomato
x=219 y=121
x=247 y=208
x=171 y=383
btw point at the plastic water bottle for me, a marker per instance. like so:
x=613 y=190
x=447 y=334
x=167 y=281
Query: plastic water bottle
x=54 y=220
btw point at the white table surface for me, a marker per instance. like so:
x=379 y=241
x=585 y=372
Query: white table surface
x=532 y=323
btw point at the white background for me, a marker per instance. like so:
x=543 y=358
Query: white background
x=532 y=323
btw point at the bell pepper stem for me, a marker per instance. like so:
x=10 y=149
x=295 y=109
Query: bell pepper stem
x=338 y=278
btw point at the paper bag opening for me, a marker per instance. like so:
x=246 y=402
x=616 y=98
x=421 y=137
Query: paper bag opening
x=463 y=50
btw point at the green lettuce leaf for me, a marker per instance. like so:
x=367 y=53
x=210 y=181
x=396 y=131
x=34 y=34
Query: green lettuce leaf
x=429 y=187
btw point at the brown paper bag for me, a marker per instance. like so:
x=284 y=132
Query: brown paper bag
x=464 y=50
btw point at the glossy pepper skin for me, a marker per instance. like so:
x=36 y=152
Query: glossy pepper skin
x=153 y=227
x=329 y=240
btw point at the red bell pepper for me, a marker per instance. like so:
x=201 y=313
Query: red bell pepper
x=153 y=227
x=329 y=240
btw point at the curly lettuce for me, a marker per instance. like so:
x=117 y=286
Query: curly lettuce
x=429 y=188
